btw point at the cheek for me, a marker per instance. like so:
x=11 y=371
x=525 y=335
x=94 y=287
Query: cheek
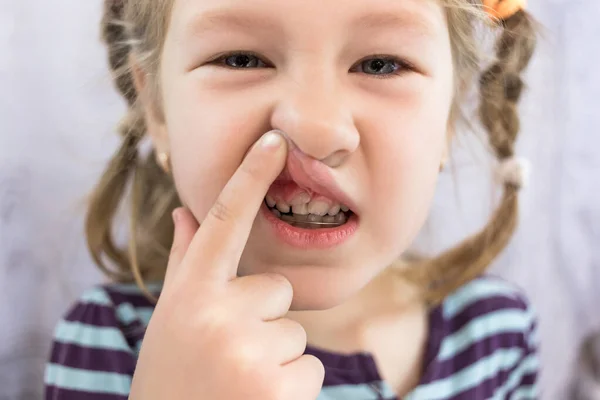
x=404 y=149
x=209 y=138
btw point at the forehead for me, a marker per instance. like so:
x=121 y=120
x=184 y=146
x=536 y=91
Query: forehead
x=424 y=18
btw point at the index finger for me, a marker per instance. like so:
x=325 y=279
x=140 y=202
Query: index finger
x=218 y=245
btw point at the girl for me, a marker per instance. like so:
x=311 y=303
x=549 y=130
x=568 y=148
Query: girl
x=280 y=277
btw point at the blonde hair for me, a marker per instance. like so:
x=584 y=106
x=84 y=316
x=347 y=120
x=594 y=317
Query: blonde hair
x=137 y=28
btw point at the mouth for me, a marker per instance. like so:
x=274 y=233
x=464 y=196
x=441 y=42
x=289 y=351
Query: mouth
x=307 y=207
x=316 y=214
x=309 y=231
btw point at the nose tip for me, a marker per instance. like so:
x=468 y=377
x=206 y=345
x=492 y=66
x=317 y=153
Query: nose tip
x=319 y=122
x=333 y=160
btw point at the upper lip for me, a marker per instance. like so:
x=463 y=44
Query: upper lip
x=309 y=173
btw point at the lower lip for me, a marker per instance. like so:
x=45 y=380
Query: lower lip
x=323 y=238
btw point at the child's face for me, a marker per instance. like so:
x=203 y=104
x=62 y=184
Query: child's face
x=381 y=139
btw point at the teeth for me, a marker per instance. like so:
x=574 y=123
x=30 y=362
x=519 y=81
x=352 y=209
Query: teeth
x=314 y=218
x=318 y=208
x=334 y=210
x=270 y=201
x=283 y=207
x=288 y=218
x=300 y=199
x=301 y=209
x=301 y=218
x=301 y=206
x=341 y=217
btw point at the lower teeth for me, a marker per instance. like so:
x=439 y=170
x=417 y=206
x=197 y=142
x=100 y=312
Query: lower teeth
x=312 y=221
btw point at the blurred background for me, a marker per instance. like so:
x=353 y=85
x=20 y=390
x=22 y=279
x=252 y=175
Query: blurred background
x=58 y=110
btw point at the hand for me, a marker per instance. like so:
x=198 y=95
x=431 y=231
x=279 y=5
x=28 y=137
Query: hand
x=213 y=335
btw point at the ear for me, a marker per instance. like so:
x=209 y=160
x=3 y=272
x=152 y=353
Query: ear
x=450 y=132
x=147 y=101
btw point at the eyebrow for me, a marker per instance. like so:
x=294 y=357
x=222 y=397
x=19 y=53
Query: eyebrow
x=229 y=20
x=413 y=21
x=248 y=20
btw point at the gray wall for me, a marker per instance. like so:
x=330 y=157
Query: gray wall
x=57 y=110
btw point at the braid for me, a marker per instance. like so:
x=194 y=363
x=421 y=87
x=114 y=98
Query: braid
x=500 y=87
x=501 y=84
x=151 y=191
x=114 y=35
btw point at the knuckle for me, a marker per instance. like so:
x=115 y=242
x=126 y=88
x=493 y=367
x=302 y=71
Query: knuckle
x=279 y=283
x=245 y=353
x=221 y=212
x=318 y=368
x=299 y=332
x=293 y=331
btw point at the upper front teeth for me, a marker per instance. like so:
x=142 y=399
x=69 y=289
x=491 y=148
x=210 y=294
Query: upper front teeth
x=319 y=208
x=283 y=207
x=314 y=207
x=301 y=209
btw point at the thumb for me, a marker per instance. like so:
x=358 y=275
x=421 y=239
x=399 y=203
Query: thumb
x=185 y=229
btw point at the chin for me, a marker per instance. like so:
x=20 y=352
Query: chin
x=321 y=287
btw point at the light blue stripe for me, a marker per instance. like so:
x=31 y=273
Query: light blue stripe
x=96 y=296
x=475 y=291
x=125 y=312
x=355 y=392
x=91 y=336
x=89 y=381
x=525 y=393
x=511 y=320
x=529 y=365
x=144 y=314
x=533 y=339
x=468 y=377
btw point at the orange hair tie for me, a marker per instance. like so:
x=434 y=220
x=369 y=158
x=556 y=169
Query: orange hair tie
x=504 y=9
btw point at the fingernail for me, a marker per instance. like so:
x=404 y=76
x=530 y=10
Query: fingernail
x=176 y=215
x=271 y=140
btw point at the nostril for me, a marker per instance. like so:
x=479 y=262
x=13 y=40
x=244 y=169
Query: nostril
x=336 y=159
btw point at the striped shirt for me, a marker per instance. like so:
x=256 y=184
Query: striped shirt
x=482 y=344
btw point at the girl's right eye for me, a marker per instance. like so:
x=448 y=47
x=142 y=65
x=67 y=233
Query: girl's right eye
x=240 y=60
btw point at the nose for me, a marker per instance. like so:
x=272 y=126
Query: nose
x=316 y=120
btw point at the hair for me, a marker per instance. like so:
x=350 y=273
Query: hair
x=136 y=28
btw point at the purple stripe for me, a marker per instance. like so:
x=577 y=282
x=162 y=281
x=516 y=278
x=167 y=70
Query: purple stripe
x=471 y=354
x=527 y=380
x=137 y=300
x=104 y=316
x=74 y=356
x=484 y=307
x=93 y=314
x=346 y=369
x=437 y=332
x=487 y=388
x=56 y=393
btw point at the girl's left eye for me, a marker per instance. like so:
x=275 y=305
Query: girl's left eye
x=380 y=67
x=241 y=61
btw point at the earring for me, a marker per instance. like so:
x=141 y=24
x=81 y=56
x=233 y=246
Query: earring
x=164 y=161
x=442 y=165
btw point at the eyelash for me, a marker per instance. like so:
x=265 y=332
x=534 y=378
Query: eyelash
x=403 y=65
